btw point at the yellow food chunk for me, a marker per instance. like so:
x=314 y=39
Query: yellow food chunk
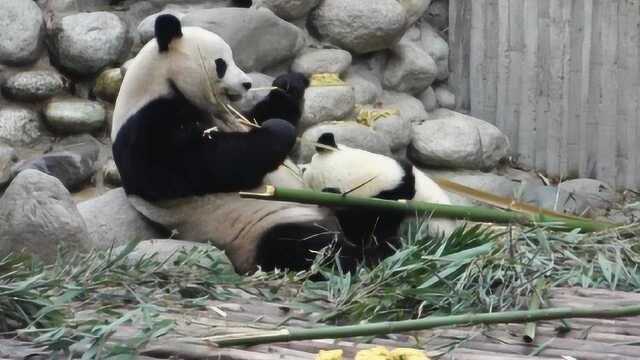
x=376 y=353
x=326 y=79
x=329 y=355
x=408 y=354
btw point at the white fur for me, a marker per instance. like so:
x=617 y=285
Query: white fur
x=148 y=76
x=347 y=168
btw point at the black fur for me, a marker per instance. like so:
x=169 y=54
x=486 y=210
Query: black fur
x=167 y=28
x=221 y=67
x=161 y=152
x=284 y=102
x=326 y=139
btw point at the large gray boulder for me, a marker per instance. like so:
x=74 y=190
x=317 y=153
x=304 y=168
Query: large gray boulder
x=33 y=85
x=599 y=195
x=455 y=140
x=397 y=131
x=318 y=61
x=19 y=126
x=359 y=26
x=73 y=164
x=415 y=9
x=290 y=9
x=367 y=87
x=112 y=221
x=410 y=68
x=348 y=133
x=436 y=46
x=74 y=115
x=326 y=103
x=85 y=43
x=22 y=29
x=410 y=108
x=38 y=215
x=259 y=39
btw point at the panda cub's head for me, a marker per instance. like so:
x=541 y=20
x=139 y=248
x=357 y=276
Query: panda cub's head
x=190 y=61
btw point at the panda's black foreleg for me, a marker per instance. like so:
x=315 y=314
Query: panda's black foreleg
x=239 y=161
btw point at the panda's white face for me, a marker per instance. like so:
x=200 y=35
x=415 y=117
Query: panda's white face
x=154 y=71
x=195 y=49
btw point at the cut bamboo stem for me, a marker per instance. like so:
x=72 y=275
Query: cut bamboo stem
x=382 y=328
x=534 y=304
x=470 y=213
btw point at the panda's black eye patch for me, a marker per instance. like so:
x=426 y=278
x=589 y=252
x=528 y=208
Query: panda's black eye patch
x=221 y=67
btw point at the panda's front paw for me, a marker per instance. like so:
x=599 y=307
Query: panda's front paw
x=280 y=128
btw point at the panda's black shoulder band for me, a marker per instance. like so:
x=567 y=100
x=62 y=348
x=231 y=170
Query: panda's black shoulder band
x=326 y=139
x=167 y=28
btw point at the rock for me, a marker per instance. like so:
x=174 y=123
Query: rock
x=552 y=198
x=438 y=14
x=359 y=26
x=85 y=43
x=437 y=47
x=492 y=183
x=73 y=164
x=598 y=194
x=347 y=133
x=111 y=173
x=33 y=85
x=455 y=140
x=168 y=251
x=410 y=108
x=108 y=85
x=396 y=129
x=251 y=98
x=22 y=30
x=333 y=61
x=74 y=116
x=366 y=86
x=19 y=126
x=258 y=38
x=290 y=9
x=112 y=221
x=39 y=215
x=410 y=69
x=428 y=98
x=8 y=159
x=326 y=103
x=415 y=9
x=445 y=97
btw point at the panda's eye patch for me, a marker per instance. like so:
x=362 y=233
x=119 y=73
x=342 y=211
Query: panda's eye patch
x=221 y=67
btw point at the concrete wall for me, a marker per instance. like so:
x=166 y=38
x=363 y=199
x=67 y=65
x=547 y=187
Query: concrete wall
x=560 y=77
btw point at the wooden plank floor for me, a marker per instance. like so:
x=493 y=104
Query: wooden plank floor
x=589 y=339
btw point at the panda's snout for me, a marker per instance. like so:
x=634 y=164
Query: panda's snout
x=246 y=85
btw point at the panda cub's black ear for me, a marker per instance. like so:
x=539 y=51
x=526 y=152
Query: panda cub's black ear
x=326 y=139
x=167 y=28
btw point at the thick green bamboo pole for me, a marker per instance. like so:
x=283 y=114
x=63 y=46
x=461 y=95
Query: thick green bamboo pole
x=377 y=329
x=471 y=213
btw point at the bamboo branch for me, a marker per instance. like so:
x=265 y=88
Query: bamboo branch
x=471 y=213
x=534 y=304
x=382 y=328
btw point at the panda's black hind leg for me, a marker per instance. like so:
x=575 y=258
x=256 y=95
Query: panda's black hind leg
x=295 y=247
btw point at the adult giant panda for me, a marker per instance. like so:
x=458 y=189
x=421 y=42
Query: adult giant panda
x=362 y=173
x=187 y=182
x=163 y=108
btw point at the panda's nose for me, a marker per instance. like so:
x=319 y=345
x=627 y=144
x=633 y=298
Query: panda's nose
x=246 y=85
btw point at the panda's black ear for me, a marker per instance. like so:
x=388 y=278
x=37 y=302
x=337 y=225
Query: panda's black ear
x=326 y=139
x=168 y=27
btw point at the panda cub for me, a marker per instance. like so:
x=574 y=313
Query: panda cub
x=372 y=175
x=285 y=102
x=162 y=108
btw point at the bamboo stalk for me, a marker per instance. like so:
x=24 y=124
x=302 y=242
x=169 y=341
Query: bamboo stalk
x=471 y=213
x=382 y=328
x=534 y=304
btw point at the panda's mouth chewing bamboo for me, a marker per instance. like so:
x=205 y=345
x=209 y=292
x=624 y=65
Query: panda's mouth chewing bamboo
x=233 y=97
